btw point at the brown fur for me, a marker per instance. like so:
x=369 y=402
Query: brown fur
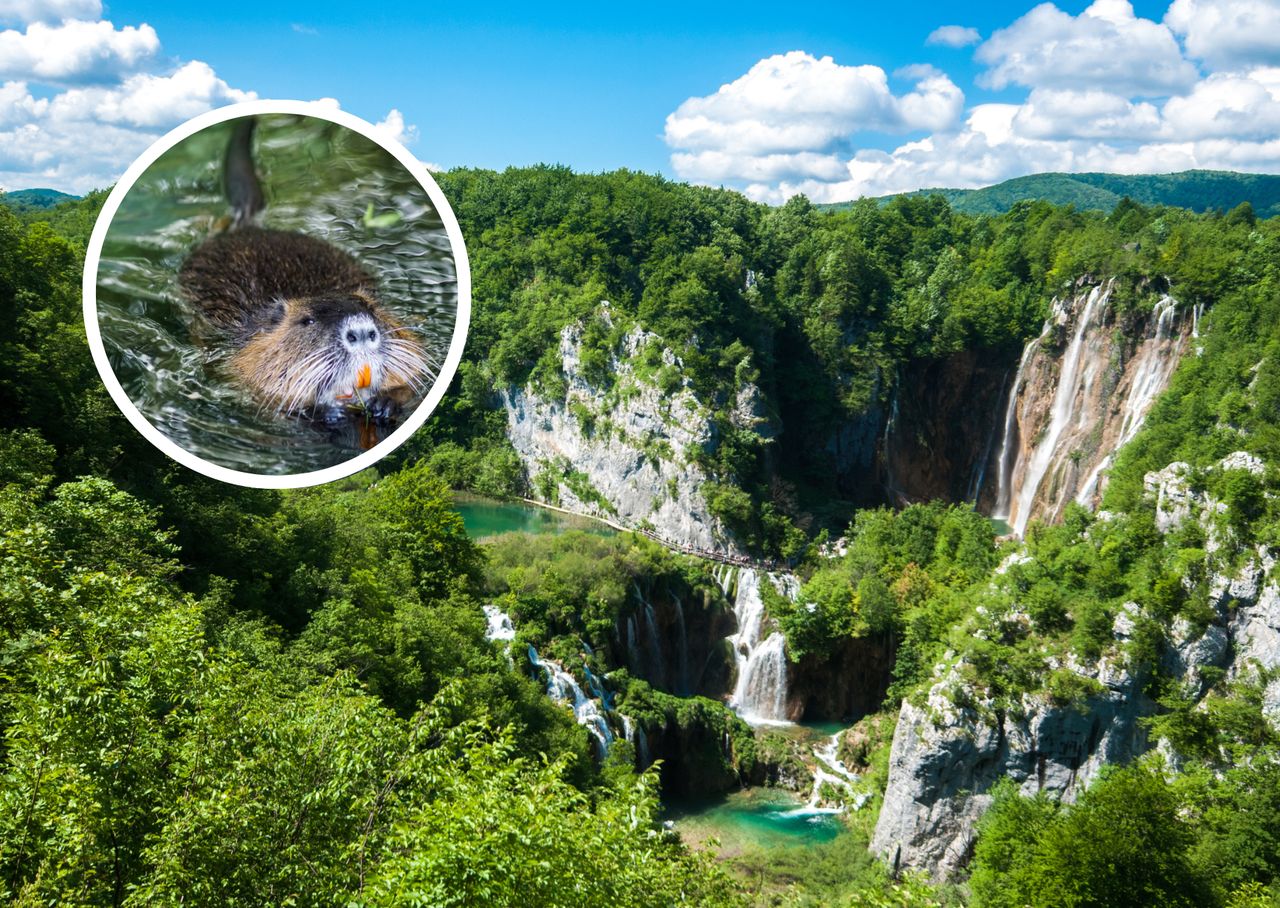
x=259 y=287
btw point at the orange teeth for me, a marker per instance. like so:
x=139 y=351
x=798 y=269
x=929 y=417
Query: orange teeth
x=364 y=377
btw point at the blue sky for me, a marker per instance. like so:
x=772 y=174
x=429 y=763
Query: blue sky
x=599 y=87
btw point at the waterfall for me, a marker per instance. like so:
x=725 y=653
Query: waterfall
x=1151 y=367
x=562 y=688
x=760 y=691
x=654 y=640
x=499 y=626
x=1068 y=414
x=682 y=649
x=830 y=771
x=980 y=466
x=635 y=736
x=885 y=446
x=1072 y=380
x=1008 y=442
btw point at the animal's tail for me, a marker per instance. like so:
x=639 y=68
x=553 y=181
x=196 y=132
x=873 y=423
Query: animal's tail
x=239 y=179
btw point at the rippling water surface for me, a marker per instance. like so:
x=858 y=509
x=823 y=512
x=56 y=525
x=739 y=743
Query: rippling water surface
x=320 y=179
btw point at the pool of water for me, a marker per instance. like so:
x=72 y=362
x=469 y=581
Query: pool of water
x=1000 y=525
x=485 y=518
x=319 y=179
x=755 y=818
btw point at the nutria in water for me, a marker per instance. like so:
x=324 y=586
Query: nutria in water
x=303 y=318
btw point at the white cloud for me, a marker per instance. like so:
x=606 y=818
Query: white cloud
x=1052 y=114
x=24 y=11
x=953 y=36
x=82 y=98
x=83 y=138
x=1228 y=105
x=75 y=51
x=149 y=101
x=1228 y=33
x=393 y=127
x=1106 y=48
x=1102 y=91
x=794 y=101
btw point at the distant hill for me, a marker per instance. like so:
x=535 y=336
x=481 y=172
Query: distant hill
x=1199 y=190
x=26 y=200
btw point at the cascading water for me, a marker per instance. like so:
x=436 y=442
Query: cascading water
x=1008 y=442
x=684 y=685
x=1076 y=374
x=760 y=692
x=634 y=735
x=562 y=688
x=498 y=625
x=1152 y=365
x=654 y=641
x=1068 y=412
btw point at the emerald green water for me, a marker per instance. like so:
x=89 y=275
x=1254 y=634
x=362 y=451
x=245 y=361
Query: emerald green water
x=755 y=818
x=485 y=518
x=1001 y=526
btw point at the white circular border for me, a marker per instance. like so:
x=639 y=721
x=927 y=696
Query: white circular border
x=462 y=268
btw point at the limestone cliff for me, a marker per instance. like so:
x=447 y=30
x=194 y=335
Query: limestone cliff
x=627 y=452
x=951 y=747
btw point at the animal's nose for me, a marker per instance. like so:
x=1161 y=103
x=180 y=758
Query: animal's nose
x=368 y=336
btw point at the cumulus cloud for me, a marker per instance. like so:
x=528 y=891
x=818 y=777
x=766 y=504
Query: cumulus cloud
x=75 y=51
x=83 y=98
x=393 y=127
x=1102 y=91
x=794 y=101
x=1228 y=33
x=24 y=11
x=1106 y=47
x=953 y=36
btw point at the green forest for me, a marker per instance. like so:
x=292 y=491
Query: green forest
x=220 y=696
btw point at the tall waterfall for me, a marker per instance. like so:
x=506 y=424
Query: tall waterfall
x=760 y=692
x=1070 y=410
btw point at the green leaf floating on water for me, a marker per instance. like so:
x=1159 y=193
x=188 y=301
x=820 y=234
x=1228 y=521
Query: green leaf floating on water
x=375 y=221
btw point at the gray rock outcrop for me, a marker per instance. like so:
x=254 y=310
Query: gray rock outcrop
x=950 y=750
x=628 y=452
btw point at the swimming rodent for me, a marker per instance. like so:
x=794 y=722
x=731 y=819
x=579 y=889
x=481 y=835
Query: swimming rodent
x=308 y=332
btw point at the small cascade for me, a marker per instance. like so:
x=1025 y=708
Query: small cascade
x=1009 y=440
x=634 y=735
x=562 y=688
x=895 y=493
x=830 y=772
x=498 y=625
x=654 y=642
x=760 y=692
x=979 y=474
x=683 y=683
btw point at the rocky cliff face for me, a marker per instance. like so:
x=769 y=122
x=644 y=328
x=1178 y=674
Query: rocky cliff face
x=943 y=427
x=678 y=646
x=946 y=757
x=950 y=749
x=626 y=453
x=845 y=686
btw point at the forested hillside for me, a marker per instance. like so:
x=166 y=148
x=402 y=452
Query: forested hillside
x=1196 y=190
x=232 y=697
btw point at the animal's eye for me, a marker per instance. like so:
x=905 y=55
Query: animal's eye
x=308 y=320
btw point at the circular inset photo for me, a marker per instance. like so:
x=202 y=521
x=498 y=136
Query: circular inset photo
x=276 y=295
